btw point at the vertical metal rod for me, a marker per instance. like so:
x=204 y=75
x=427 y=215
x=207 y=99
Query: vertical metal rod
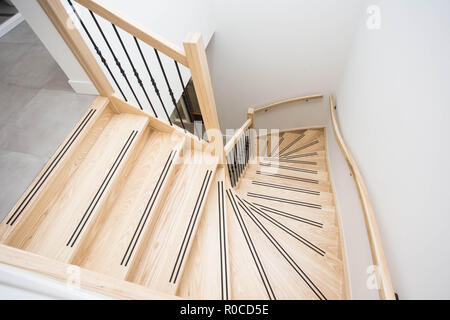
x=246 y=148
x=230 y=173
x=235 y=164
x=170 y=89
x=97 y=50
x=136 y=74
x=113 y=54
x=240 y=157
x=155 y=87
x=186 y=98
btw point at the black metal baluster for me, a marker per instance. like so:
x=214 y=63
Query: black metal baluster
x=155 y=87
x=112 y=53
x=97 y=50
x=229 y=169
x=186 y=99
x=240 y=156
x=246 y=148
x=235 y=164
x=170 y=90
x=134 y=70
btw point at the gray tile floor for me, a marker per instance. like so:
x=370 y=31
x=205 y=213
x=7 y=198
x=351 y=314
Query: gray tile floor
x=37 y=111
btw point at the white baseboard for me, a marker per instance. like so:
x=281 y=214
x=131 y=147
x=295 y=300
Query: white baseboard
x=10 y=24
x=83 y=87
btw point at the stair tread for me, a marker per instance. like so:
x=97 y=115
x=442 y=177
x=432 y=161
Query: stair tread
x=288 y=179
x=129 y=212
x=206 y=275
x=285 y=282
x=291 y=203
x=65 y=217
x=284 y=191
x=160 y=264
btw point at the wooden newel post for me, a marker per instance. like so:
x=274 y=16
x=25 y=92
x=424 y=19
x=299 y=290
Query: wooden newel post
x=198 y=64
x=251 y=116
x=253 y=135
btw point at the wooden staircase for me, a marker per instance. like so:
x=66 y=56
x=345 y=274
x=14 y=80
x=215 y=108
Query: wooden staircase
x=127 y=197
x=144 y=210
x=284 y=224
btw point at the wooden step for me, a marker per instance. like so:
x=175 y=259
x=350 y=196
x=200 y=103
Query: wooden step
x=207 y=273
x=56 y=228
x=288 y=208
x=281 y=276
x=66 y=160
x=247 y=274
x=294 y=171
x=304 y=140
x=284 y=191
x=131 y=210
x=160 y=259
x=301 y=180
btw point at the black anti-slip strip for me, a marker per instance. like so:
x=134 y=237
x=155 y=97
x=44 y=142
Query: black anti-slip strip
x=287 y=160
x=190 y=227
x=293 y=234
x=298 y=203
x=50 y=168
x=300 y=137
x=277 y=146
x=301 y=148
x=223 y=243
x=285 y=255
x=76 y=233
x=148 y=208
x=288 y=168
x=303 y=155
x=282 y=176
x=251 y=247
x=289 y=215
x=282 y=187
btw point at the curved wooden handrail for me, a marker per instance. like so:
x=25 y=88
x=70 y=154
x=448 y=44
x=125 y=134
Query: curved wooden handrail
x=152 y=39
x=386 y=289
x=237 y=135
x=276 y=104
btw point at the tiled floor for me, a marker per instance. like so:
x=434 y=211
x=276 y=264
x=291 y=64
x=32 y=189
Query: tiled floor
x=37 y=110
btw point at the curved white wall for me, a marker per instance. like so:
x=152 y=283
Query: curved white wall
x=266 y=51
x=394 y=110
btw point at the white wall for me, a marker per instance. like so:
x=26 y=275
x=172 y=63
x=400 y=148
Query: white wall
x=171 y=19
x=265 y=51
x=394 y=110
x=44 y=29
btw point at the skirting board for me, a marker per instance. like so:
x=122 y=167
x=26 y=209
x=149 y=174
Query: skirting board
x=83 y=87
x=10 y=24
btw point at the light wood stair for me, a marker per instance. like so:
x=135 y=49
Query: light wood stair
x=285 y=224
x=129 y=197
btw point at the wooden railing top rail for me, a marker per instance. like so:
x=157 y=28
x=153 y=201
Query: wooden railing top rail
x=237 y=135
x=386 y=290
x=276 y=104
x=143 y=34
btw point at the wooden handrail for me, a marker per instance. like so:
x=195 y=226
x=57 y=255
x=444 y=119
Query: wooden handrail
x=386 y=290
x=152 y=39
x=237 y=135
x=276 y=104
